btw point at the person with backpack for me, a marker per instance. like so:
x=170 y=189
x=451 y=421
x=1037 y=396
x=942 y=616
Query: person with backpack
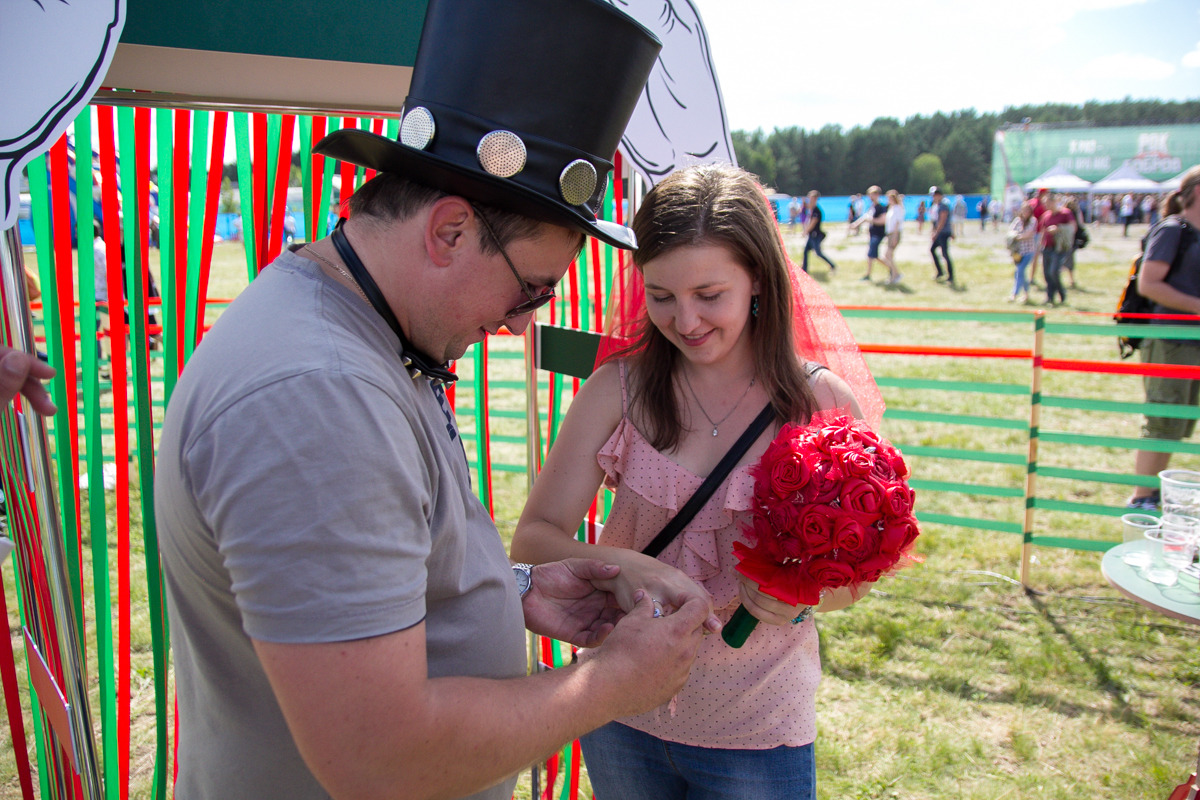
x=1170 y=277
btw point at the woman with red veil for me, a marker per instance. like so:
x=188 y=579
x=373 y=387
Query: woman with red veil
x=710 y=325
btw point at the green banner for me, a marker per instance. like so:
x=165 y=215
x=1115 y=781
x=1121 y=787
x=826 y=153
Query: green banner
x=1158 y=152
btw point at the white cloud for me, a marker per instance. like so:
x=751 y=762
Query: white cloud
x=1130 y=65
x=1192 y=59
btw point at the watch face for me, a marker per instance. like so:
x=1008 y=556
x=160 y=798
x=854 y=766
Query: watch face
x=524 y=579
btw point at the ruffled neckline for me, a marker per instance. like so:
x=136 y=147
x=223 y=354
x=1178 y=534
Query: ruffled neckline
x=628 y=459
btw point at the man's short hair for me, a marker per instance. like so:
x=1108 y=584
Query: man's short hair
x=389 y=197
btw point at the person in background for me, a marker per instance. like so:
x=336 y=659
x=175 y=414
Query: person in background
x=1024 y=228
x=921 y=216
x=960 y=215
x=23 y=373
x=982 y=208
x=893 y=227
x=1170 y=276
x=1128 y=209
x=995 y=211
x=941 y=231
x=875 y=216
x=812 y=228
x=718 y=342
x=1057 y=229
x=1068 y=266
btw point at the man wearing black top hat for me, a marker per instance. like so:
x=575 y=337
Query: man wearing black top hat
x=345 y=620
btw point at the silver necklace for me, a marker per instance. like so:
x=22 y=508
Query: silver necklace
x=339 y=270
x=718 y=423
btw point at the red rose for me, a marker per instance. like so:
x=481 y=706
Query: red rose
x=783 y=515
x=897 y=534
x=789 y=475
x=874 y=568
x=816 y=528
x=898 y=500
x=856 y=462
x=862 y=499
x=830 y=574
x=852 y=539
x=823 y=488
x=895 y=462
x=864 y=435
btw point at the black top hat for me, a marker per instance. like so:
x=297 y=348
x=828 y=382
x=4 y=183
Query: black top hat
x=518 y=104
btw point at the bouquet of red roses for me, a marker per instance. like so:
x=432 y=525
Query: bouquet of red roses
x=831 y=508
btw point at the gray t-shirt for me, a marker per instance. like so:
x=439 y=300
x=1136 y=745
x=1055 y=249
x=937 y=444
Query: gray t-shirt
x=308 y=489
x=1162 y=244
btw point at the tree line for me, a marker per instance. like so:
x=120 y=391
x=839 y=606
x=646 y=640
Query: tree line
x=954 y=149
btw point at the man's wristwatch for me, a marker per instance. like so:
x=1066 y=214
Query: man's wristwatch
x=524 y=575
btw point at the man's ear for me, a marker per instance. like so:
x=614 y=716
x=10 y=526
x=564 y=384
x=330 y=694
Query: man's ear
x=448 y=229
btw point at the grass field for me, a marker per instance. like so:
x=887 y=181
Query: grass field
x=951 y=680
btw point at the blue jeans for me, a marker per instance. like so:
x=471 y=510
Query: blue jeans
x=942 y=242
x=1052 y=262
x=627 y=764
x=813 y=245
x=1020 y=280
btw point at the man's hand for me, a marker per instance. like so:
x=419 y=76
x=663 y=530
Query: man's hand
x=647 y=659
x=565 y=602
x=24 y=373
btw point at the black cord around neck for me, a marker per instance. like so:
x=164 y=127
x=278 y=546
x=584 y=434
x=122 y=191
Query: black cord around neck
x=414 y=359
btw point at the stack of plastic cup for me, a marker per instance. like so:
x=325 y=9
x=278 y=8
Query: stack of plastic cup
x=1137 y=554
x=1180 y=492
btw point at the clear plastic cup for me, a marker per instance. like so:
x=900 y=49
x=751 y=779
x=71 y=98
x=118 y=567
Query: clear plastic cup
x=1158 y=570
x=1180 y=491
x=1134 y=527
x=1177 y=548
x=1188 y=525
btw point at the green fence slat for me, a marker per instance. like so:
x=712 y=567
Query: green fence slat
x=1097 y=477
x=953 y=386
x=167 y=278
x=1047 y=504
x=932 y=314
x=1123 y=442
x=972 y=522
x=1114 y=329
x=962 y=455
x=245 y=173
x=1066 y=543
x=966 y=488
x=956 y=419
x=1117 y=407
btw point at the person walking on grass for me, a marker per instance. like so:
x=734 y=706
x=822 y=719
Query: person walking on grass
x=1170 y=276
x=893 y=227
x=1024 y=231
x=812 y=228
x=941 y=231
x=875 y=216
x=1057 y=229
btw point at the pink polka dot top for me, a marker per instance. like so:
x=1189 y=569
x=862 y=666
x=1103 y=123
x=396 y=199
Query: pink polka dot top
x=759 y=696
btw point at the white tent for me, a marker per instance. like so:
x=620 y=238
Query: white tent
x=1058 y=179
x=1126 y=179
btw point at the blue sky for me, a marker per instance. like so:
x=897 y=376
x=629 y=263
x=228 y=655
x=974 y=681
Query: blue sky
x=814 y=62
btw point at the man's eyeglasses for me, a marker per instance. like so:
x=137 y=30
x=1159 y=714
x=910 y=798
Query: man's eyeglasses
x=533 y=301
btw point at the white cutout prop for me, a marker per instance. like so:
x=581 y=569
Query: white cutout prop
x=53 y=56
x=680 y=118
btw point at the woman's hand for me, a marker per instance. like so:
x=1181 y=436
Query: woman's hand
x=669 y=587
x=763 y=606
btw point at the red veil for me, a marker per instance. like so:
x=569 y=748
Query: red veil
x=818 y=328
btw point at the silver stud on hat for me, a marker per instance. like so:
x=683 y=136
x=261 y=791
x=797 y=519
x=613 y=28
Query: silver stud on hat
x=577 y=182
x=501 y=153
x=417 y=129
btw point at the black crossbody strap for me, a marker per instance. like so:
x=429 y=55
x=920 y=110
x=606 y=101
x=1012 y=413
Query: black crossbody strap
x=714 y=479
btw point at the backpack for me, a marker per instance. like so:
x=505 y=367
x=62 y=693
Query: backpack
x=1081 y=238
x=1131 y=300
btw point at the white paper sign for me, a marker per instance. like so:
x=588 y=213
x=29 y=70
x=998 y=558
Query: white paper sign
x=53 y=56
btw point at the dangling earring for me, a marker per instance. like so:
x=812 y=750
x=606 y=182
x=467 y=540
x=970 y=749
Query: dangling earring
x=754 y=306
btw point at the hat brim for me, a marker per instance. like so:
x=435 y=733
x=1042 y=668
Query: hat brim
x=371 y=150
